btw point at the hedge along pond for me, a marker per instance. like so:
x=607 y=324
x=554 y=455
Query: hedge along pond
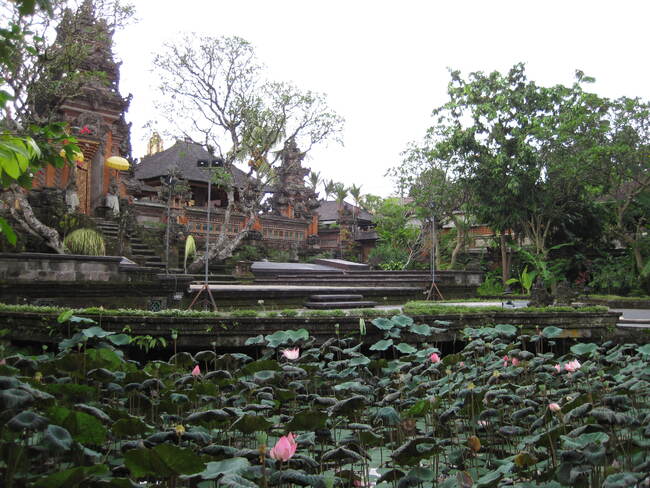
x=507 y=410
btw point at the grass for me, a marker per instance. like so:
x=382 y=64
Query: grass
x=618 y=298
x=414 y=308
x=421 y=307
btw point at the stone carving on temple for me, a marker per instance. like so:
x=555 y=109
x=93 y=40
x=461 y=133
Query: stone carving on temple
x=291 y=197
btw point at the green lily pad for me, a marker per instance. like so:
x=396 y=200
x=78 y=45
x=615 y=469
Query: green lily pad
x=381 y=345
x=163 y=461
x=57 y=439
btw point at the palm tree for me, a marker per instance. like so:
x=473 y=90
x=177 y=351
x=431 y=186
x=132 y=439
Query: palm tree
x=314 y=179
x=328 y=187
x=341 y=192
x=355 y=193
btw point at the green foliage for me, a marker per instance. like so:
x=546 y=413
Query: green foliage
x=525 y=280
x=491 y=286
x=87 y=242
x=613 y=275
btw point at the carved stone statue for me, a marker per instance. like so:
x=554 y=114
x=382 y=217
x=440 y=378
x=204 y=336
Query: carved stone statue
x=290 y=191
x=113 y=198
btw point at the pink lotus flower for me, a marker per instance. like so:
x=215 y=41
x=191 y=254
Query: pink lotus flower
x=291 y=354
x=196 y=371
x=284 y=449
x=558 y=368
x=461 y=364
x=554 y=407
x=513 y=361
x=572 y=366
x=434 y=358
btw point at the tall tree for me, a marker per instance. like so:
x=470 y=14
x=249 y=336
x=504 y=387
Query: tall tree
x=214 y=93
x=625 y=164
x=355 y=193
x=523 y=149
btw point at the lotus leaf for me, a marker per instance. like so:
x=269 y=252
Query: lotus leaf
x=57 y=439
x=387 y=416
x=401 y=321
x=420 y=329
x=255 y=341
x=72 y=477
x=551 y=332
x=264 y=376
x=411 y=452
x=163 y=461
x=219 y=451
x=205 y=356
x=307 y=420
x=291 y=476
x=102 y=375
x=382 y=323
x=347 y=406
x=183 y=360
x=251 y=423
x=584 y=348
x=236 y=481
x=622 y=480
x=104 y=358
x=381 y=345
x=15 y=398
x=341 y=455
x=83 y=427
x=260 y=365
x=27 y=420
x=359 y=361
x=96 y=331
x=129 y=427
x=405 y=348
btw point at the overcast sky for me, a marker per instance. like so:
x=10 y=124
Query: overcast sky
x=383 y=65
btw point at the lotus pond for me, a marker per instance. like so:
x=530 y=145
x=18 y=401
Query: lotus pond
x=506 y=410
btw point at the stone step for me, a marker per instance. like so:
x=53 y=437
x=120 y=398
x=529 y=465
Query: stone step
x=337 y=305
x=335 y=298
x=151 y=258
x=140 y=247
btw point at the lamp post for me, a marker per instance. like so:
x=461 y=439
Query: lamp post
x=209 y=164
x=433 y=255
x=433 y=245
x=170 y=181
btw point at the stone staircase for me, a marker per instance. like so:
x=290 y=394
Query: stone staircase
x=334 y=302
x=140 y=252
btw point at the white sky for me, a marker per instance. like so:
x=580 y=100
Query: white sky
x=383 y=64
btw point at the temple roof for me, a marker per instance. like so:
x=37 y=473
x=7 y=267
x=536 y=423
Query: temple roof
x=183 y=157
x=329 y=210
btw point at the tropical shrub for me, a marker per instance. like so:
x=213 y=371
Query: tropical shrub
x=87 y=242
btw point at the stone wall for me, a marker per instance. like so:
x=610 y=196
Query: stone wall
x=38 y=267
x=228 y=332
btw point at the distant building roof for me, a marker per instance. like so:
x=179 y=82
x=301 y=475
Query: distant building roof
x=329 y=210
x=183 y=157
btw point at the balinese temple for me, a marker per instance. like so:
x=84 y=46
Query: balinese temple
x=289 y=221
x=95 y=116
x=289 y=218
